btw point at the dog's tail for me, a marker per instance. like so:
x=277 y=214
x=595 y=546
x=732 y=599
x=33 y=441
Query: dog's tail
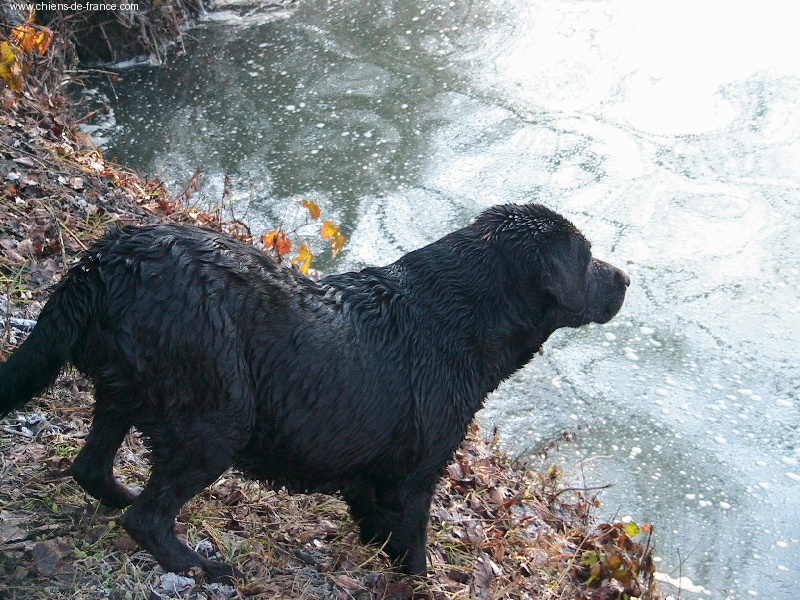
x=36 y=364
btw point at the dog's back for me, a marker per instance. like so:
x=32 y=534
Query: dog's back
x=174 y=324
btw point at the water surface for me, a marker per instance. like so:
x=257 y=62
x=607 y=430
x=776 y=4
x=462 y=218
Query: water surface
x=670 y=134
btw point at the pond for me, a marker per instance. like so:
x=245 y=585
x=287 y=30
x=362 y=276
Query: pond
x=670 y=134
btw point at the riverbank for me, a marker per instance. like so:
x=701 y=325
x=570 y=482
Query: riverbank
x=499 y=528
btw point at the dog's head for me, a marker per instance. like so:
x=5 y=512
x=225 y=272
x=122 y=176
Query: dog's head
x=551 y=262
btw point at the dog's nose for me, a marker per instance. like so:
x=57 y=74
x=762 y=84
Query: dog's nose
x=626 y=279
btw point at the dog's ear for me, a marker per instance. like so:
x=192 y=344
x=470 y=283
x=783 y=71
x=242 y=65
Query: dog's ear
x=566 y=274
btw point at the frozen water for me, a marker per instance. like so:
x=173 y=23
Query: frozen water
x=669 y=133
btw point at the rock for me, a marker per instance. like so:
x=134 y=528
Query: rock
x=174 y=584
x=47 y=557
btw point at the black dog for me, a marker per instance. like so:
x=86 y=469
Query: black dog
x=363 y=383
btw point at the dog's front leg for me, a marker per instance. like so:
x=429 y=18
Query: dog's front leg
x=400 y=520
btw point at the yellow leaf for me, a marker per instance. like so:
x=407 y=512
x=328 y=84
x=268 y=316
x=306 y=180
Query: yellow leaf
x=329 y=230
x=304 y=258
x=12 y=69
x=338 y=243
x=632 y=529
x=313 y=208
x=8 y=52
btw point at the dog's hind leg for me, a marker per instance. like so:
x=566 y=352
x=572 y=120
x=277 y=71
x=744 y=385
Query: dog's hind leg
x=361 y=501
x=93 y=468
x=179 y=472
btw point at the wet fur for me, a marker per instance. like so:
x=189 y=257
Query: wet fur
x=363 y=383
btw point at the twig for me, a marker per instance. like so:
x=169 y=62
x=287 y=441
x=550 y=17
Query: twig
x=584 y=489
x=89 y=115
x=17 y=546
x=375 y=555
x=74 y=237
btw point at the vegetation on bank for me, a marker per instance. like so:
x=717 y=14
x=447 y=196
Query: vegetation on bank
x=105 y=36
x=499 y=528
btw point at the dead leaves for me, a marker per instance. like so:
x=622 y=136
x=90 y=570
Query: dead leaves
x=48 y=556
x=18 y=52
x=57 y=196
x=375 y=586
x=613 y=564
x=504 y=532
x=41 y=244
x=495 y=534
x=279 y=243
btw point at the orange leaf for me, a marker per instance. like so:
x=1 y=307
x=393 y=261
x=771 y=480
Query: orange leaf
x=614 y=562
x=277 y=240
x=30 y=38
x=283 y=245
x=313 y=208
x=268 y=239
x=330 y=229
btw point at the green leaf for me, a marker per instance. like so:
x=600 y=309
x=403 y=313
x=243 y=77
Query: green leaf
x=632 y=529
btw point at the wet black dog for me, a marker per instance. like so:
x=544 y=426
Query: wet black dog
x=363 y=383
